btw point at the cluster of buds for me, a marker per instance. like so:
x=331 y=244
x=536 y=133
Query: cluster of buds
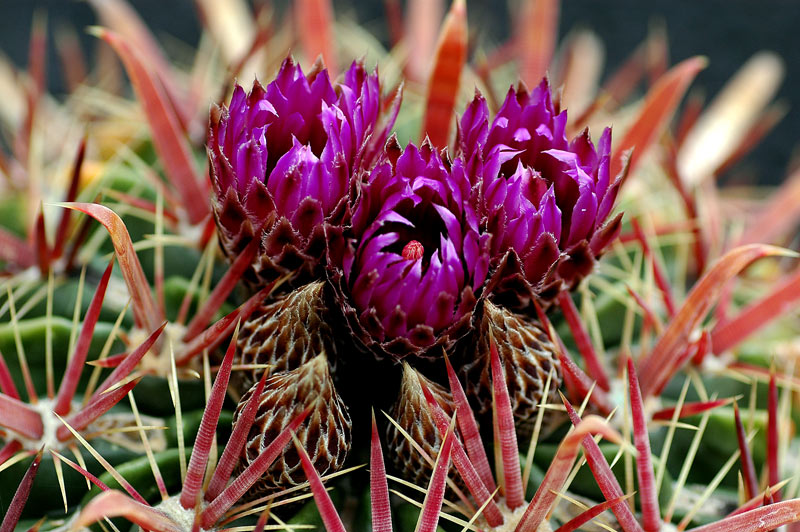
x=282 y=159
x=545 y=200
x=410 y=252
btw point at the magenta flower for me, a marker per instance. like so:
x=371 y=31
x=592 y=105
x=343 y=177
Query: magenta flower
x=416 y=259
x=282 y=160
x=543 y=199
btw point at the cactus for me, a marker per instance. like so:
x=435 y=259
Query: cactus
x=507 y=291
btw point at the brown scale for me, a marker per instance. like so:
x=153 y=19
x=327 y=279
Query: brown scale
x=527 y=356
x=410 y=411
x=284 y=334
x=325 y=434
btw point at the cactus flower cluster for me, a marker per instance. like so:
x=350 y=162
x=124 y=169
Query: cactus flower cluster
x=415 y=248
x=416 y=251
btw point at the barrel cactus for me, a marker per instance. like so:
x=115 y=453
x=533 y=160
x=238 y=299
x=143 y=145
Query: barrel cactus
x=302 y=268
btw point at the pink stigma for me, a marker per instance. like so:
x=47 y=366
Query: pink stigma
x=413 y=250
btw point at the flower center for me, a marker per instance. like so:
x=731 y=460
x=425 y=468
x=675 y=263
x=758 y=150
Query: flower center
x=413 y=250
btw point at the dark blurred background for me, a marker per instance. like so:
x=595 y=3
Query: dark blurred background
x=728 y=32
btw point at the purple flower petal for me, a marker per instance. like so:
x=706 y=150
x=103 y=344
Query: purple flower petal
x=583 y=216
x=425 y=203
